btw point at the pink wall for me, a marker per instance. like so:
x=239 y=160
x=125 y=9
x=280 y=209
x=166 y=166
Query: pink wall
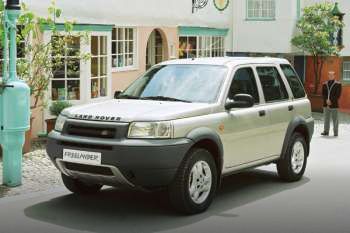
x=122 y=79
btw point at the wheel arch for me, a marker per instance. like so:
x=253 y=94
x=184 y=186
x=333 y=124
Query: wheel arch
x=299 y=125
x=211 y=141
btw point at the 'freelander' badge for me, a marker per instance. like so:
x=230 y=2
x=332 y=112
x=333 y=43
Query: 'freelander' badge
x=221 y=5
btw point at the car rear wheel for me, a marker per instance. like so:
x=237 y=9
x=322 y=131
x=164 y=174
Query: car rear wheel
x=291 y=167
x=79 y=187
x=195 y=184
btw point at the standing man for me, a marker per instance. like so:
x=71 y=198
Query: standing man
x=331 y=92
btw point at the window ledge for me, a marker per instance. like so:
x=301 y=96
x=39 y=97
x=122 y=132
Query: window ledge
x=345 y=82
x=124 y=69
x=260 y=19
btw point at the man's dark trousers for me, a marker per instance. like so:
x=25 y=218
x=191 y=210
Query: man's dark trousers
x=331 y=90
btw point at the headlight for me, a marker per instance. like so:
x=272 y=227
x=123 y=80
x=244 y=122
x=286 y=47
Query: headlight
x=60 y=123
x=151 y=130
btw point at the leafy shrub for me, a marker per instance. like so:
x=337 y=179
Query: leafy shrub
x=58 y=106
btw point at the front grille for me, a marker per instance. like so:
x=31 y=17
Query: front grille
x=97 y=170
x=88 y=131
x=83 y=145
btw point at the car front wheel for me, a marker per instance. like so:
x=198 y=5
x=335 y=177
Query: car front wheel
x=195 y=184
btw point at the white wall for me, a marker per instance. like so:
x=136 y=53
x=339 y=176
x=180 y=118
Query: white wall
x=171 y=13
x=265 y=36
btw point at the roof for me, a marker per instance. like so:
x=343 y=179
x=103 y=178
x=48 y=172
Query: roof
x=227 y=61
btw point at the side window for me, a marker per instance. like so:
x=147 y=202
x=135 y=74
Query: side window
x=272 y=84
x=294 y=82
x=244 y=83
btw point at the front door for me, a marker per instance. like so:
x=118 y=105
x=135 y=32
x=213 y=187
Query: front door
x=154 y=51
x=246 y=129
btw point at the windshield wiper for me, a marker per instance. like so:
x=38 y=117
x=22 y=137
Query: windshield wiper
x=164 y=98
x=128 y=97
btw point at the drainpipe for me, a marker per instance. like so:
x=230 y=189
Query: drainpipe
x=14 y=103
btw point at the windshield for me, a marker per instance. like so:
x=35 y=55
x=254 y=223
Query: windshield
x=187 y=83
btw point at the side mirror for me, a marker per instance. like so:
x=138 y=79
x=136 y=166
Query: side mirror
x=116 y=94
x=240 y=101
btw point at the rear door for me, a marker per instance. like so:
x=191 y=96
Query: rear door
x=300 y=102
x=278 y=101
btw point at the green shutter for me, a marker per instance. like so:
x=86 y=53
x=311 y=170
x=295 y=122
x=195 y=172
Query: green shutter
x=202 y=31
x=83 y=27
x=298 y=9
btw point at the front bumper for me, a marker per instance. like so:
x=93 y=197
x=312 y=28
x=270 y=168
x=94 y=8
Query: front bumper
x=132 y=163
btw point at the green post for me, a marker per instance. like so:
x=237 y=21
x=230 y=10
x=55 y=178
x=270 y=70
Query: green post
x=12 y=16
x=14 y=103
x=298 y=9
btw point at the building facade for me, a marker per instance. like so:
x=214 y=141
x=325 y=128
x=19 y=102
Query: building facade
x=128 y=37
x=266 y=28
x=125 y=39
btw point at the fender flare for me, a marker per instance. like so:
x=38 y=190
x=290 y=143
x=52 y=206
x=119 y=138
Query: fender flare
x=295 y=123
x=205 y=133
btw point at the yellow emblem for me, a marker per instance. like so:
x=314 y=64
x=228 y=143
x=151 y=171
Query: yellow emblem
x=221 y=5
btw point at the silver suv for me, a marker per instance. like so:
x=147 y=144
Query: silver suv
x=183 y=126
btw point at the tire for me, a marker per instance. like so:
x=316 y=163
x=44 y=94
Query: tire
x=291 y=167
x=179 y=191
x=79 y=187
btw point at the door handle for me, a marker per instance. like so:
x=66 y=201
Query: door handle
x=290 y=108
x=262 y=113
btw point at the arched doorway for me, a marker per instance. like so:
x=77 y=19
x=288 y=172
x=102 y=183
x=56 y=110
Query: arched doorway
x=156 y=50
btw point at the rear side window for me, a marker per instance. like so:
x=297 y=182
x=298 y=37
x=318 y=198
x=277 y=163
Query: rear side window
x=294 y=82
x=272 y=84
x=244 y=83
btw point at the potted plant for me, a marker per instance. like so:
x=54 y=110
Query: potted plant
x=36 y=70
x=55 y=110
x=318 y=33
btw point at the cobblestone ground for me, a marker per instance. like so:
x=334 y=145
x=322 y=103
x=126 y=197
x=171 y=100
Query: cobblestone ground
x=39 y=174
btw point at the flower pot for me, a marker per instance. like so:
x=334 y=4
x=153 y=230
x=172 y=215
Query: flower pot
x=50 y=125
x=316 y=102
x=27 y=147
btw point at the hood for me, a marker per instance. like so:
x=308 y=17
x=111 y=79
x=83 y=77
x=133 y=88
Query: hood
x=137 y=110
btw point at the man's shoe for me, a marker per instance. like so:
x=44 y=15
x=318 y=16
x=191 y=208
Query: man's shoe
x=324 y=134
x=335 y=135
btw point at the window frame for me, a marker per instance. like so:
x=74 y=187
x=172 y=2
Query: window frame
x=257 y=83
x=202 y=51
x=66 y=78
x=343 y=71
x=135 y=48
x=289 y=85
x=100 y=57
x=85 y=71
x=282 y=80
x=260 y=10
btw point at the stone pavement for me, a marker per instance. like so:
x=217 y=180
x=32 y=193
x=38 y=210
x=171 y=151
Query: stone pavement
x=344 y=123
x=252 y=201
x=39 y=174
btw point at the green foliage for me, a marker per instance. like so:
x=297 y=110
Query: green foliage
x=58 y=106
x=318 y=28
x=43 y=58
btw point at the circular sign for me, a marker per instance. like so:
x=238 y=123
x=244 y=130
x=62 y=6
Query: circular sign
x=221 y=5
x=199 y=4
